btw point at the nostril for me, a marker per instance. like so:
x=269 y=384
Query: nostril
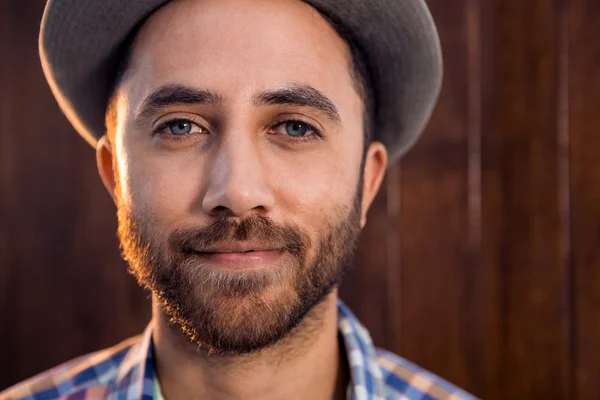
x=222 y=211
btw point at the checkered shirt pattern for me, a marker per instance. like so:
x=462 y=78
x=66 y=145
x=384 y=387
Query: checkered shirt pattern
x=126 y=372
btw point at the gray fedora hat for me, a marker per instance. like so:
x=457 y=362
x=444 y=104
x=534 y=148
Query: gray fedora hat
x=81 y=41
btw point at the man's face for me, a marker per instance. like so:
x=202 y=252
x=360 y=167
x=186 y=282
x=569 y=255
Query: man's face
x=237 y=161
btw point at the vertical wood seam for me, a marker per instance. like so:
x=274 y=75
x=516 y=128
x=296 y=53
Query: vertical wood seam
x=563 y=162
x=474 y=130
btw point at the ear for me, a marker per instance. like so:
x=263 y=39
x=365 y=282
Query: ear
x=374 y=171
x=104 y=160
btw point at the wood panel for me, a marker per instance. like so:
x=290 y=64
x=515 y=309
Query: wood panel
x=434 y=218
x=485 y=285
x=6 y=197
x=584 y=127
x=523 y=209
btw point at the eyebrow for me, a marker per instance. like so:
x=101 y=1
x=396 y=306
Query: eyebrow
x=302 y=96
x=170 y=95
x=297 y=95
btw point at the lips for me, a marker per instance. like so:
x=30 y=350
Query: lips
x=240 y=255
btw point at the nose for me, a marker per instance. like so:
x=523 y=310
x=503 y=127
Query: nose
x=237 y=184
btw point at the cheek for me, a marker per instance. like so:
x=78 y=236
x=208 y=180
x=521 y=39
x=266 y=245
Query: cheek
x=312 y=192
x=322 y=182
x=165 y=190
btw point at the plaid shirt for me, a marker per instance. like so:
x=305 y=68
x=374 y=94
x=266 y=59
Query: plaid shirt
x=126 y=372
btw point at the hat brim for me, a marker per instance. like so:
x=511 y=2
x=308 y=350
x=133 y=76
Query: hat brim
x=80 y=43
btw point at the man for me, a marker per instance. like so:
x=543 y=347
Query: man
x=243 y=142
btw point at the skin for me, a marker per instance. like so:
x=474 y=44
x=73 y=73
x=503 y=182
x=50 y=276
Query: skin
x=238 y=162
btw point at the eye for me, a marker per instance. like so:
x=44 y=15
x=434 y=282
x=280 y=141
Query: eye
x=295 y=128
x=180 y=127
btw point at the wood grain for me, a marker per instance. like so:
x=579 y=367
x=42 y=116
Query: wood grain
x=523 y=221
x=584 y=127
x=434 y=219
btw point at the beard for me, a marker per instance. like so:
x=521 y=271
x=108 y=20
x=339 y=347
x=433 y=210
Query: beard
x=235 y=312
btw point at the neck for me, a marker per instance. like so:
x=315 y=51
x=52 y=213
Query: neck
x=305 y=364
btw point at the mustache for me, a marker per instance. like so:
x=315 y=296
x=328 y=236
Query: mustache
x=289 y=238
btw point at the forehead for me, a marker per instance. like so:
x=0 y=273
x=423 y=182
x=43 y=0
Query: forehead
x=239 y=46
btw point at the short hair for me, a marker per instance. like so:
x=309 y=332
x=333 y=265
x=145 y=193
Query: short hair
x=358 y=68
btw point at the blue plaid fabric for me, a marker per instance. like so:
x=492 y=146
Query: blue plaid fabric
x=126 y=372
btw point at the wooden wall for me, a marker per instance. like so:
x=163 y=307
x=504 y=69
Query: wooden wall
x=481 y=258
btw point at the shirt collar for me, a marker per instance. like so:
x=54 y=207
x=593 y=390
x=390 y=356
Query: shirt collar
x=136 y=372
x=367 y=378
x=135 y=376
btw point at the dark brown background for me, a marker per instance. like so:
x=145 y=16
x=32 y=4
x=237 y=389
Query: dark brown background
x=480 y=261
